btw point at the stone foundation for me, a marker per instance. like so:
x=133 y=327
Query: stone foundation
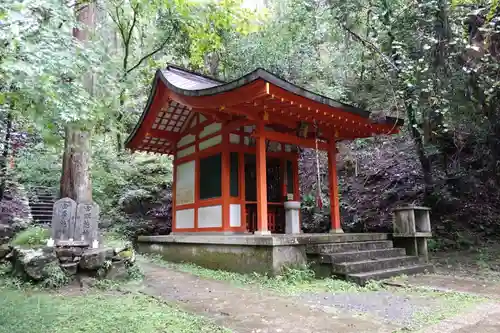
x=241 y=253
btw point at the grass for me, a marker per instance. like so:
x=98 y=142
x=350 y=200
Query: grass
x=451 y=304
x=30 y=311
x=33 y=236
x=291 y=282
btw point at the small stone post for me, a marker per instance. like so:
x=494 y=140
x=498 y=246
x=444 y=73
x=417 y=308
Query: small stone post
x=292 y=211
x=412 y=227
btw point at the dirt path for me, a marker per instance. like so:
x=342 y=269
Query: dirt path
x=485 y=318
x=247 y=311
x=452 y=283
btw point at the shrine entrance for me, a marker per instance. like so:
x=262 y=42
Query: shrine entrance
x=275 y=198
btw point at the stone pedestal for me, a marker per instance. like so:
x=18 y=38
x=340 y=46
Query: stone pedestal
x=292 y=217
x=412 y=227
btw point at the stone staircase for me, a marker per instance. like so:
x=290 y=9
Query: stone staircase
x=41 y=201
x=361 y=261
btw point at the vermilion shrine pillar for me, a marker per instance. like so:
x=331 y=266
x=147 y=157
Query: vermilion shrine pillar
x=260 y=155
x=334 y=188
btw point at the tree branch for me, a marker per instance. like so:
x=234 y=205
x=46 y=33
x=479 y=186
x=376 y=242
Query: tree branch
x=370 y=46
x=118 y=23
x=134 y=21
x=150 y=54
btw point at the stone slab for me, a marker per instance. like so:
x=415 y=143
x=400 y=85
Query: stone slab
x=268 y=240
x=411 y=208
x=67 y=243
x=87 y=217
x=63 y=219
x=413 y=235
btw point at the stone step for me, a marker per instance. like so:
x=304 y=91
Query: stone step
x=348 y=247
x=364 y=277
x=44 y=204
x=41 y=213
x=374 y=265
x=43 y=198
x=342 y=257
x=39 y=210
x=42 y=223
x=42 y=217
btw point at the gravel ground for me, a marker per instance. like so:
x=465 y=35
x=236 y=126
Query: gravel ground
x=388 y=306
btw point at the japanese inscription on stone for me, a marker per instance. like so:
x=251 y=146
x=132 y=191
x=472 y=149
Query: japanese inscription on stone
x=63 y=218
x=87 y=217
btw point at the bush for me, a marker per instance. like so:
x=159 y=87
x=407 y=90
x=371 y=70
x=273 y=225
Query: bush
x=33 y=236
x=56 y=278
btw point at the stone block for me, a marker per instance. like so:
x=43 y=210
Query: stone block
x=93 y=259
x=236 y=258
x=70 y=268
x=69 y=252
x=117 y=271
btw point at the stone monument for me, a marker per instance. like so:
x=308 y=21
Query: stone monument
x=63 y=219
x=72 y=222
x=86 y=222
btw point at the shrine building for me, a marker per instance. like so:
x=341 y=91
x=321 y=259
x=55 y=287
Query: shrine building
x=235 y=149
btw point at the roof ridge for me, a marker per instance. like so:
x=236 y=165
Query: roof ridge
x=180 y=68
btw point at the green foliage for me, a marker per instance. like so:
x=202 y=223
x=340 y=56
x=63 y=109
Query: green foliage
x=112 y=176
x=31 y=237
x=56 y=278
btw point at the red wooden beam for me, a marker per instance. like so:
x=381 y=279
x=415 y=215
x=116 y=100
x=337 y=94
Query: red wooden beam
x=334 y=190
x=260 y=157
x=233 y=125
x=291 y=139
x=168 y=135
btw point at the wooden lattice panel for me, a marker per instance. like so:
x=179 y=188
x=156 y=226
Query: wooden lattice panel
x=155 y=145
x=172 y=117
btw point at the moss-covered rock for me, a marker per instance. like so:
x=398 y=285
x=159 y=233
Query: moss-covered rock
x=37 y=264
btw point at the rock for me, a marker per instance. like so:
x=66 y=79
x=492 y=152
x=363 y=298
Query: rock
x=34 y=262
x=70 y=268
x=6 y=232
x=5 y=249
x=93 y=259
x=117 y=271
x=19 y=224
x=127 y=254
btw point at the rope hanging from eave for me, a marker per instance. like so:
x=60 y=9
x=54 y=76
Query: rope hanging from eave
x=319 y=200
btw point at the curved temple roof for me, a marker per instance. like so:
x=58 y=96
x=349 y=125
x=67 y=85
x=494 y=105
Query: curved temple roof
x=177 y=94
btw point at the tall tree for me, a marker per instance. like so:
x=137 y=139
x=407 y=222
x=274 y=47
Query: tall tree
x=75 y=177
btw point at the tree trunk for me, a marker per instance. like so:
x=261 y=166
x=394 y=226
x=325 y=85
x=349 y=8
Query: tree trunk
x=119 y=141
x=5 y=153
x=419 y=145
x=75 y=177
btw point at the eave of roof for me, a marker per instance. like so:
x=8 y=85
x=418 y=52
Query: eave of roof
x=202 y=85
